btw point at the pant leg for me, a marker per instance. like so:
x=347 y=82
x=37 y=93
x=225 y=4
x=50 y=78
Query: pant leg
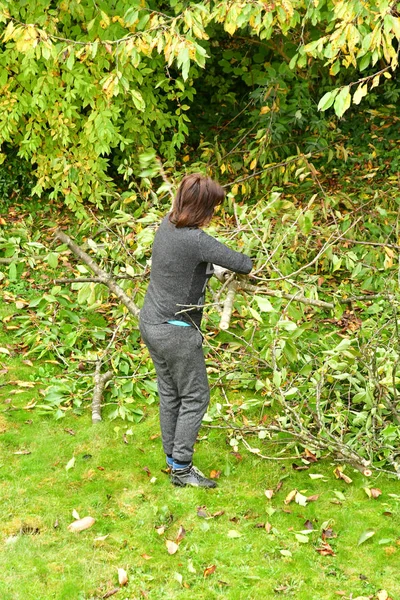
x=169 y=402
x=167 y=390
x=183 y=386
x=191 y=378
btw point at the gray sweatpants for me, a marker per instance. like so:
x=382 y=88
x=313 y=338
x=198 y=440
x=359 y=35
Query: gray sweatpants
x=183 y=388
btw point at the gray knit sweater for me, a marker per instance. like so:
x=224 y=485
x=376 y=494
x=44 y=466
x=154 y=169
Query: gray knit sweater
x=182 y=263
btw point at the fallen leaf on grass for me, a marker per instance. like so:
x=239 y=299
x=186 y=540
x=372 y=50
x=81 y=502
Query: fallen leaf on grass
x=382 y=595
x=101 y=538
x=70 y=464
x=146 y=556
x=21 y=304
x=24 y=384
x=338 y=472
x=181 y=534
x=215 y=474
x=111 y=593
x=269 y=494
x=122 y=577
x=209 y=570
x=268 y=527
x=21 y=452
x=30 y=405
x=5 y=351
x=75 y=514
x=290 y=497
x=328 y=534
x=296 y=467
x=70 y=431
x=203 y=513
x=160 y=530
x=300 y=499
x=172 y=547
x=232 y=533
x=313 y=498
x=310 y=456
x=373 y=492
x=81 y=524
x=366 y=535
x=303 y=539
x=325 y=550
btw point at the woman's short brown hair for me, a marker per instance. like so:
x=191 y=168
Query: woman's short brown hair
x=195 y=201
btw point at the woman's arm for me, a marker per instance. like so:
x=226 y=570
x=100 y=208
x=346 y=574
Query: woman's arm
x=213 y=251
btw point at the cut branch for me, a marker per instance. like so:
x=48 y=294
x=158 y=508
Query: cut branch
x=102 y=275
x=228 y=305
x=100 y=381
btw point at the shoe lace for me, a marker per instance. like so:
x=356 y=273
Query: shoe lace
x=197 y=473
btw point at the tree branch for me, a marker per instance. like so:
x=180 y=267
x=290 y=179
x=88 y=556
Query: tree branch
x=103 y=276
x=100 y=381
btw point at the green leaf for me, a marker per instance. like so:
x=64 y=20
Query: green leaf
x=365 y=536
x=327 y=100
x=52 y=259
x=12 y=272
x=84 y=293
x=138 y=100
x=255 y=314
x=342 y=101
x=70 y=464
x=183 y=62
x=264 y=304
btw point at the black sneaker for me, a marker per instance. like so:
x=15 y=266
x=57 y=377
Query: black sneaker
x=191 y=475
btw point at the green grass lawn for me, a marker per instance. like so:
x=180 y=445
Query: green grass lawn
x=117 y=479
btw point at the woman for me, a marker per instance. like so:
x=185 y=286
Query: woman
x=182 y=262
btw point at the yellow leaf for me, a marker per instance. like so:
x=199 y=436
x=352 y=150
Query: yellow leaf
x=290 y=497
x=359 y=94
x=8 y=32
x=253 y=163
x=389 y=252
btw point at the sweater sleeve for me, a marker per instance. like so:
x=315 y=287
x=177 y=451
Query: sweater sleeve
x=213 y=251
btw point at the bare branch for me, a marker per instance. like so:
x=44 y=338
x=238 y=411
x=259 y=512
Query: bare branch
x=103 y=276
x=100 y=381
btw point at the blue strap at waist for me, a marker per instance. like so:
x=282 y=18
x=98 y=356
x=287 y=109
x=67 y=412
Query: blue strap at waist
x=180 y=323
